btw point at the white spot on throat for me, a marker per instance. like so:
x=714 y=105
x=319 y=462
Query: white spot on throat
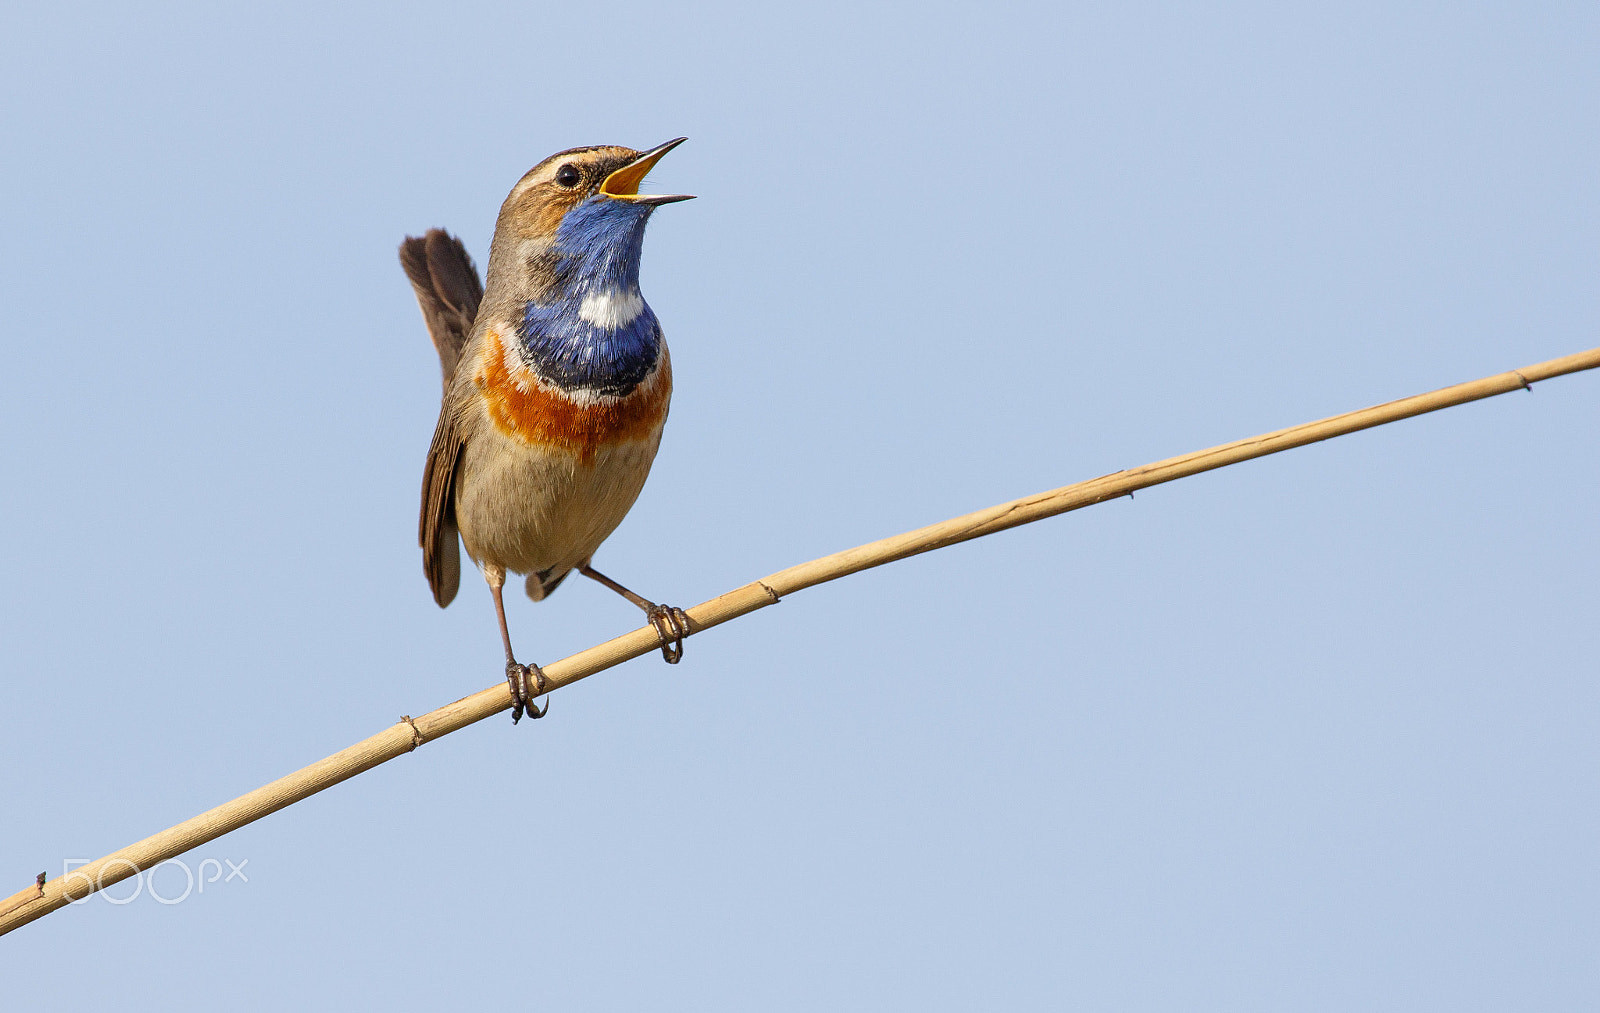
x=611 y=308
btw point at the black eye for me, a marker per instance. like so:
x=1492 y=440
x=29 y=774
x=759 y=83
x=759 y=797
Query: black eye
x=568 y=175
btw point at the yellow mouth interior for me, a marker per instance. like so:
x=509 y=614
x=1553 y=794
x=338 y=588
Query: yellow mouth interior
x=625 y=181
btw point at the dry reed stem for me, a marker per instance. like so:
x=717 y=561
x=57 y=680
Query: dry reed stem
x=34 y=902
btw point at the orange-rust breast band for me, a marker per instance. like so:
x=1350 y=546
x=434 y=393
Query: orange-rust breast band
x=539 y=416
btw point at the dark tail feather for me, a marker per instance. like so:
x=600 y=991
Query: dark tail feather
x=542 y=584
x=448 y=290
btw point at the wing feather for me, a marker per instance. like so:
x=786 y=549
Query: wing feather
x=448 y=291
x=437 y=532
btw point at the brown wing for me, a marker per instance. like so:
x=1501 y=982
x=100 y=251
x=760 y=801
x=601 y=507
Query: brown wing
x=448 y=290
x=441 y=547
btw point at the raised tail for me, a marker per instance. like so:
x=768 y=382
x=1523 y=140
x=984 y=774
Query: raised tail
x=448 y=290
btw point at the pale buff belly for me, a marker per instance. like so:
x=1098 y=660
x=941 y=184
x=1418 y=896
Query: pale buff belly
x=530 y=509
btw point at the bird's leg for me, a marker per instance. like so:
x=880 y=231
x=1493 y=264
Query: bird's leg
x=516 y=674
x=671 y=623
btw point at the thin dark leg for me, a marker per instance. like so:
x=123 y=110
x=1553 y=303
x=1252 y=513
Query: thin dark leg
x=516 y=674
x=671 y=622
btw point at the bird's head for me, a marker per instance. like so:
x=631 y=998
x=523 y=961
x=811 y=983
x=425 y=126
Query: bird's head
x=576 y=222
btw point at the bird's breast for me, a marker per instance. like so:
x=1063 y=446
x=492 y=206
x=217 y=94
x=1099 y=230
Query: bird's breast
x=578 y=421
x=600 y=337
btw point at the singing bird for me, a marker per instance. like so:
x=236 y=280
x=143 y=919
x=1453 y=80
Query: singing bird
x=556 y=384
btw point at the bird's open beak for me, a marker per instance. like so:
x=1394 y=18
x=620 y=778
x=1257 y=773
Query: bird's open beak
x=623 y=184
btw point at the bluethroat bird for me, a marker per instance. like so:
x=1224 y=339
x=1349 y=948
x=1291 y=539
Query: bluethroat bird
x=556 y=383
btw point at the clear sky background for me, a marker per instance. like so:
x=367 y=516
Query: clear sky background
x=1315 y=732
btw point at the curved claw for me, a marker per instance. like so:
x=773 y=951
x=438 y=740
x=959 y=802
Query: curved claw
x=672 y=625
x=521 y=698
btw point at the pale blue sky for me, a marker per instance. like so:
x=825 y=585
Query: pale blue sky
x=1316 y=732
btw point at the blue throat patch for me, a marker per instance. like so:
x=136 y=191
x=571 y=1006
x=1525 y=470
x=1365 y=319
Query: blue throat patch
x=598 y=243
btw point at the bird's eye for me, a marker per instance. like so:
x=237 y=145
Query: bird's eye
x=568 y=175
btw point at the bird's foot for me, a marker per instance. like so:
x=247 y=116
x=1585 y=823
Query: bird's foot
x=672 y=625
x=519 y=678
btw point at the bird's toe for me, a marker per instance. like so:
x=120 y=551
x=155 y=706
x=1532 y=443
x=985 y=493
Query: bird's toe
x=672 y=625
x=527 y=682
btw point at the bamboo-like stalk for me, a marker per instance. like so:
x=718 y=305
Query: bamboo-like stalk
x=42 y=898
